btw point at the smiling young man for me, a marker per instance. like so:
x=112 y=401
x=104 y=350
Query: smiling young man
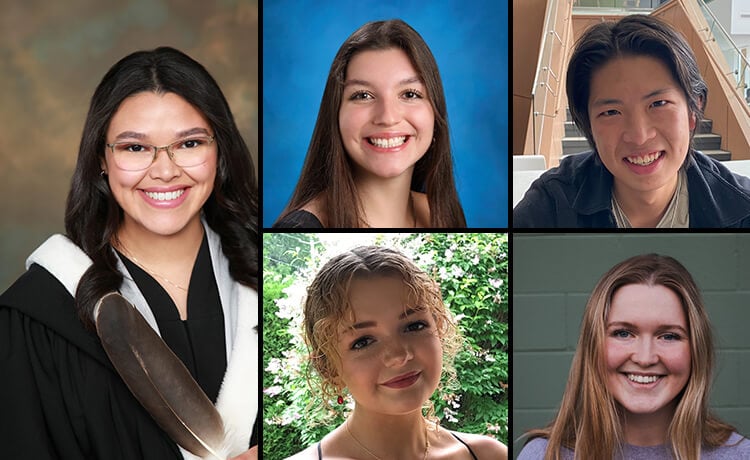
x=636 y=93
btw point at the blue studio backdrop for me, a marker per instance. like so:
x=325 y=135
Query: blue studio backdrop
x=469 y=40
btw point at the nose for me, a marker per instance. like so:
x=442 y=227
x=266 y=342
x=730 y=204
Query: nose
x=644 y=353
x=396 y=353
x=387 y=112
x=639 y=129
x=164 y=167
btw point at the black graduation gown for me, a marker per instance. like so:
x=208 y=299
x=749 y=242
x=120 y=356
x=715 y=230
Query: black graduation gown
x=60 y=397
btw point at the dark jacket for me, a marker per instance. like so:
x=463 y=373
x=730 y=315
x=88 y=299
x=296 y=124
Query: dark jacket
x=578 y=194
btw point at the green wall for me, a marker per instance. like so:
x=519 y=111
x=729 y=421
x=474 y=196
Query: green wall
x=552 y=276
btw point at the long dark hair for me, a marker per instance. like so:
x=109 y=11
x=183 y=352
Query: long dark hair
x=92 y=215
x=328 y=168
x=635 y=35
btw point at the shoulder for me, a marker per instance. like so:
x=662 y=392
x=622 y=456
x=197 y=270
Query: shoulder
x=311 y=453
x=534 y=449
x=550 y=199
x=312 y=215
x=718 y=196
x=36 y=286
x=715 y=171
x=484 y=446
x=299 y=219
x=41 y=298
x=737 y=446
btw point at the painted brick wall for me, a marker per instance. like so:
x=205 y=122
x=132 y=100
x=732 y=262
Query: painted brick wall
x=552 y=276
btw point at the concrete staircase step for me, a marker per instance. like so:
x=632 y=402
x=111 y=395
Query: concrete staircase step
x=575 y=145
x=704 y=127
x=707 y=141
x=721 y=155
x=571 y=130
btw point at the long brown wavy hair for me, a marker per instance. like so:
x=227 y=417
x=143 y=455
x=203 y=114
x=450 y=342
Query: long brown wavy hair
x=589 y=420
x=327 y=171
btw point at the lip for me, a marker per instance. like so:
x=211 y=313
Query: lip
x=165 y=204
x=389 y=135
x=403 y=380
x=647 y=169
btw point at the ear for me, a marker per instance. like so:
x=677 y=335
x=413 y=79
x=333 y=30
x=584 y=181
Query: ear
x=694 y=117
x=103 y=165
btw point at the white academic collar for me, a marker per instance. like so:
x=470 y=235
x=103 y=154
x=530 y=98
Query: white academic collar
x=238 y=397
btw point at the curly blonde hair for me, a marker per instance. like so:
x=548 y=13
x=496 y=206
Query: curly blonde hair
x=327 y=307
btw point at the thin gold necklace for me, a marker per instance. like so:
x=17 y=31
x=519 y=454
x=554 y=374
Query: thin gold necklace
x=426 y=442
x=150 y=272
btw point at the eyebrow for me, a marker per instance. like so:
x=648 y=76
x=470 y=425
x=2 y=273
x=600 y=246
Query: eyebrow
x=405 y=81
x=365 y=324
x=600 y=102
x=661 y=327
x=180 y=134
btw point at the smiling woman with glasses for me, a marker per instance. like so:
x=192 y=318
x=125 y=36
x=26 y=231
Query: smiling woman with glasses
x=162 y=210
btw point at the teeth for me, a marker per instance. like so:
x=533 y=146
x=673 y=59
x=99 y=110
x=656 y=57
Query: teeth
x=387 y=143
x=645 y=159
x=643 y=378
x=165 y=196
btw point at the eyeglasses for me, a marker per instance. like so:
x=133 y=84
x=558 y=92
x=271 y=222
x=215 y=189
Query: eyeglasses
x=134 y=156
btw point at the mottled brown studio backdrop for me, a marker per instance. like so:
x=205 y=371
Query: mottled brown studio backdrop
x=52 y=56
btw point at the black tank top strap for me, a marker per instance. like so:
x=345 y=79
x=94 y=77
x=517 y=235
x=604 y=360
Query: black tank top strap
x=467 y=446
x=320 y=452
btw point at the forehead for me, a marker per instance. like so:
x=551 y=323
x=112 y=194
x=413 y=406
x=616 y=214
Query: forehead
x=149 y=112
x=379 y=296
x=644 y=304
x=631 y=76
x=380 y=66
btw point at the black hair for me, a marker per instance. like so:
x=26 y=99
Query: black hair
x=634 y=35
x=92 y=216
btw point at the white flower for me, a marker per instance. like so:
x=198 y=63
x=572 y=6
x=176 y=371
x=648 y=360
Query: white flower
x=274 y=365
x=496 y=283
x=273 y=391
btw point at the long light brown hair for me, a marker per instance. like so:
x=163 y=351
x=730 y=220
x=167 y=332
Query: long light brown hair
x=589 y=420
x=328 y=170
x=327 y=308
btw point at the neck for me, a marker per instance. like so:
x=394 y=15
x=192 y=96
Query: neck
x=387 y=203
x=156 y=250
x=649 y=429
x=389 y=436
x=644 y=209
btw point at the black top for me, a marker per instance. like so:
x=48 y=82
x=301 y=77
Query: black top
x=578 y=194
x=320 y=450
x=299 y=219
x=60 y=397
x=199 y=341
